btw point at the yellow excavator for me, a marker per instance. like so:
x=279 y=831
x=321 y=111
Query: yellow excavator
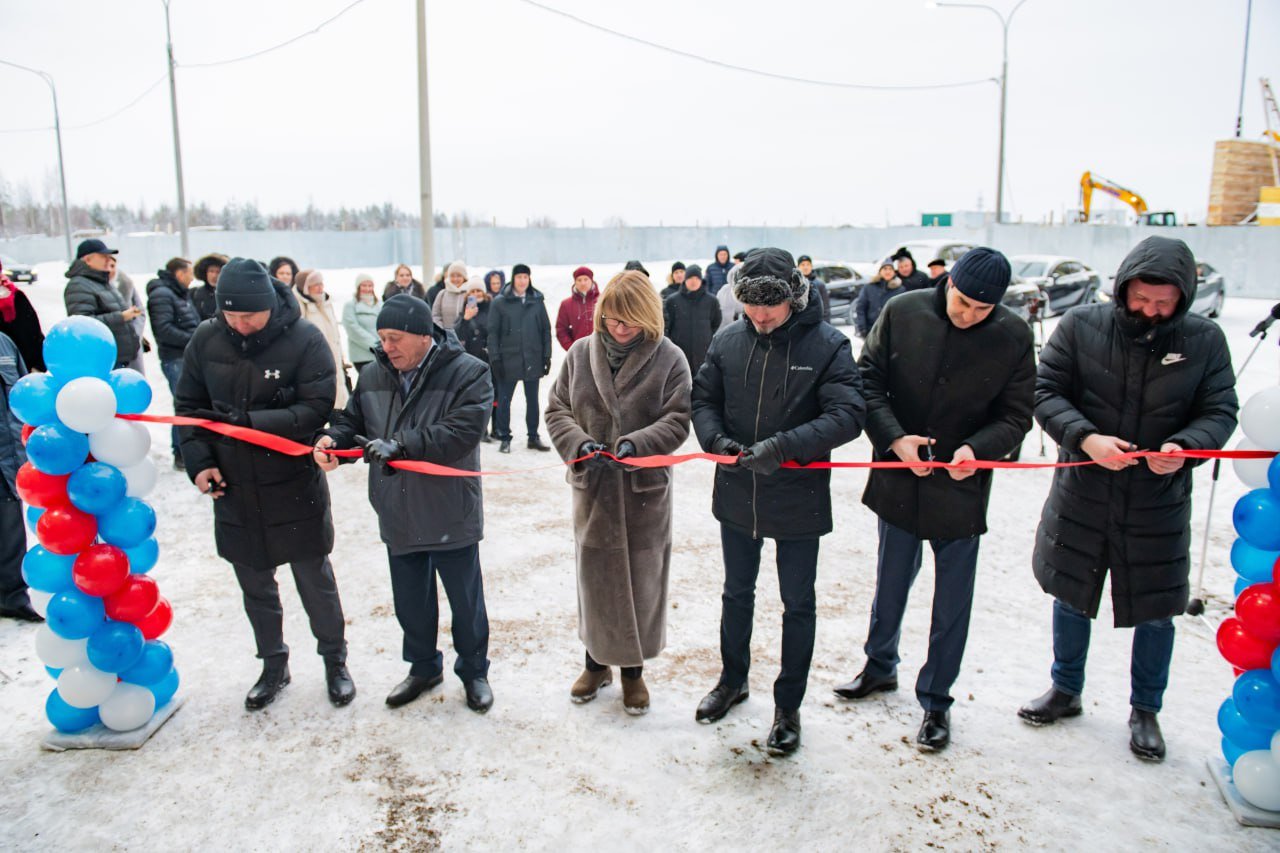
x=1090 y=182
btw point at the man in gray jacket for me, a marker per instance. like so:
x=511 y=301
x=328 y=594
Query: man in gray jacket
x=424 y=398
x=89 y=293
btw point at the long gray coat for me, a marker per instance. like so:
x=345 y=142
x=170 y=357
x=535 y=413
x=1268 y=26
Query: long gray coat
x=621 y=519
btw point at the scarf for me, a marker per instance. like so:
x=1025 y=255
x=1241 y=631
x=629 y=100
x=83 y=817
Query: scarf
x=616 y=353
x=8 y=293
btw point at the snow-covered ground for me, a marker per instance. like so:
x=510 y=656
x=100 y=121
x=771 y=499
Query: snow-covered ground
x=540 y=772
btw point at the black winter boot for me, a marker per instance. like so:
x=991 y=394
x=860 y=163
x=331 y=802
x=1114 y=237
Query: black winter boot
x=1145 y=738
x=1050 y=707
x=784 y=737
x=275 y=675
x=341 y=688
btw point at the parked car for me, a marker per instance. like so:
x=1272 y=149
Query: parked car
x=843 y=283
x=1025 y=299
x=1066 y=282
x=1211 y=291
x=18 y=271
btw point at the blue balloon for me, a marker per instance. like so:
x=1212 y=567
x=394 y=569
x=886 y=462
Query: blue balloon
x=74 y=615
x=56 y=449
x=79 y=346
x=1240 y=731
x=115 y=646
x=1231 y=752
x=33 y=518
x=1257 y=697
x=154 y=664
x=33 y=397
x=164 y=689
x=53 y=672
x=96 y=487
x=68 y=719
x=1242 y=584
x=1253 y=563
x=1256 y=517
x=46 y=571
x=1273 y=475
x=128 y=524
x=1275 y=664
x=133 y=392
x=143 y=558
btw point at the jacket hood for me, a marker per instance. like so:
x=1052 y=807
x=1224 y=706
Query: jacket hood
x=286 y=313
x=715 y=258
x=83 y=270
x=502 y=277
x=1163 y=258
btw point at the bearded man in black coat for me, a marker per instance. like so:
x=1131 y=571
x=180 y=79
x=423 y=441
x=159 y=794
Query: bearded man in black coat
x=258 y=364
x=1140 y=373
x=948 y=373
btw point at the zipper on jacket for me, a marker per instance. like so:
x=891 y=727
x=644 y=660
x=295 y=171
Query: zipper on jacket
x=755 y=508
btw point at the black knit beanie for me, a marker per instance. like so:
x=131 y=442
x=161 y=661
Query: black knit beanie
x=405 y=312
x=245 y=286
x=982 y=274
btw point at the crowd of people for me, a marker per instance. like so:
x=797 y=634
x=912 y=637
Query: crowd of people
x=741 y=354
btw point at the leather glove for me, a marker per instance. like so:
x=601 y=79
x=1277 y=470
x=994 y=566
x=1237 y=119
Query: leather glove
x=546 y=367
x=381 y=451
x=763 y=457
x=285 y=396
x=593 y=449
x=624 y=450
x=725 y=446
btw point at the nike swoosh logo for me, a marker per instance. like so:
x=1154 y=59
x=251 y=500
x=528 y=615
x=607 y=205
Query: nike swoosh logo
x=1172 y=358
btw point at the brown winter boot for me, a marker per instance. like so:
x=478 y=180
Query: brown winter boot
x=589 y=684
x=635 y=696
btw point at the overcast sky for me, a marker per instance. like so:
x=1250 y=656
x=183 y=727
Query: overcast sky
x=536 y=115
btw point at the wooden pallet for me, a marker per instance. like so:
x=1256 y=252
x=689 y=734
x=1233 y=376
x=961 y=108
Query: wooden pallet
x=1241 y=168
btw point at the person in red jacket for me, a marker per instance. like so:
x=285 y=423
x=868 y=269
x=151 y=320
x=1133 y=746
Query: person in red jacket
x=577 y=312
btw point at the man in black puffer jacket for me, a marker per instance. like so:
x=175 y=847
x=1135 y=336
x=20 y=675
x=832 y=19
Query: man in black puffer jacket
x=174 y=318
x=89 y=293
x=1139 y=374
x=258 y=364
x=691 y=317
x=949 y=373
x=424 y=398
x=779 y=385
x=912 y=278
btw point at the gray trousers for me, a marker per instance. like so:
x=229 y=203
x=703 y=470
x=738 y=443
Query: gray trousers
x=318 y=590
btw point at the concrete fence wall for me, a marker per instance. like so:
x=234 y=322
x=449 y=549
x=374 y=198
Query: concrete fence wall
x=1248 y=256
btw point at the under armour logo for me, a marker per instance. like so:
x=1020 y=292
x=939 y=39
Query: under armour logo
x=270 y=374
x=1172 y=358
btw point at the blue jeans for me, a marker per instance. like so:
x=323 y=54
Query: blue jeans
x=172 y=369
x=506 y=389
x=1148 y=664
x=956 y=563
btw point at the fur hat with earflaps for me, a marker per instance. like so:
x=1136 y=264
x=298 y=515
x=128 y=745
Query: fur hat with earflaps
x=769 y=277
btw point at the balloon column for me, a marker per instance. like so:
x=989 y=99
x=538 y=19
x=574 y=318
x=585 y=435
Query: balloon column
x=1250 y=718
x=86 y=475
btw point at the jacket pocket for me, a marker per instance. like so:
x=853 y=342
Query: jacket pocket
x=650 y=479
x=575 y=477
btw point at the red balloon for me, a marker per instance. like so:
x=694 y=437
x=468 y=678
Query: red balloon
x=1241 y=648
x=27 y=429
x=66 y=530
x=133 y=600
x=157 y=621
x=100 y=570
x=1237 y=671
x=1275 y=572
x=40 y=489
x=1259 y=609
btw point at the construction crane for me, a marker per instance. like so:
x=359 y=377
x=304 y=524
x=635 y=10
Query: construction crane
x=1090 y=182
x=1270 y=110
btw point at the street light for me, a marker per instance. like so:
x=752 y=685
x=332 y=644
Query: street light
x=57 y=131
x=177 y=145
x=1004 y=81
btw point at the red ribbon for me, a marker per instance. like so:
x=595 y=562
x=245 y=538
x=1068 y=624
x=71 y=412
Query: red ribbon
x=289 y=447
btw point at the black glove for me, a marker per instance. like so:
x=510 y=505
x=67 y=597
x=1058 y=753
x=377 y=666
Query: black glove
x=624 y=450
x=381 y=451
x=546 y=367
x=763 y=457
x=725 y=446
x=593 y=449
x=222 y=413
x=285 y=396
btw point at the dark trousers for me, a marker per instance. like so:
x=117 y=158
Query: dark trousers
x=172 y=369
x=502 y=414
x=956 y=562
x=13 y=547
x=413 y=586
x=797 y=572
x=1148 y=663
x=318 y=590
x=627 y=671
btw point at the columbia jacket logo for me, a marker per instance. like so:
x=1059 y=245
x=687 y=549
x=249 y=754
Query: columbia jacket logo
x=1172 y=358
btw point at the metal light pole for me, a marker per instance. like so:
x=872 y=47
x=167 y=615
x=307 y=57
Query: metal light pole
x=1244 y=66
x=57 y=131
x=1004 y=84
x=424 y=150
x=177 y=145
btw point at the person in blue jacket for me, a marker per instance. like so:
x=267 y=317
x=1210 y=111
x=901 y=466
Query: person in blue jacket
x=14 y=601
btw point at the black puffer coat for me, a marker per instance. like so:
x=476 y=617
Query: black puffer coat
x=276 y=507
x=924 y=376
x=473 y=334
x=89 y=293
x=519 y=336
x=1102 y=372
x=916 y=281
x=205 y=299
x=173 y=315
x=441 y=420
x=798 y=383
x=691 y=318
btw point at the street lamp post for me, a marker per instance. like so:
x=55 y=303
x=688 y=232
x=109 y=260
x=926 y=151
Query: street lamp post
x=57 y=131
x=177 y=145
x=1004 y=83
x=425 y=203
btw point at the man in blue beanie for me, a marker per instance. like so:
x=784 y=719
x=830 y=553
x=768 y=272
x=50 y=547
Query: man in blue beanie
x=948 y=374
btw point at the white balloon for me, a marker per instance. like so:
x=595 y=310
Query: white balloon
x=142 y=478
x=86 y=404
x=39 y=600
x=128 y=707
x=84 y=685
x=57 y=652
x=1257 y=778
x=1252 y=472
x=120 y=443
x=1275 y=745
x=1260 y=418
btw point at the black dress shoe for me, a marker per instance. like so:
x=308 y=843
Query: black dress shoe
x=536 y=444
x=1145 y=738
x=864 y=685
x=505 y=446
x=341 y=688
x=411 y=688
x=479 y=695
x=23 y=613
x=1051 y=707
x=275 y=675
x=486 y=439
x=935 y=731
x=784 y=737
x=718 y=702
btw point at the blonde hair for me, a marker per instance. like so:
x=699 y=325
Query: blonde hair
x=629 y=296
